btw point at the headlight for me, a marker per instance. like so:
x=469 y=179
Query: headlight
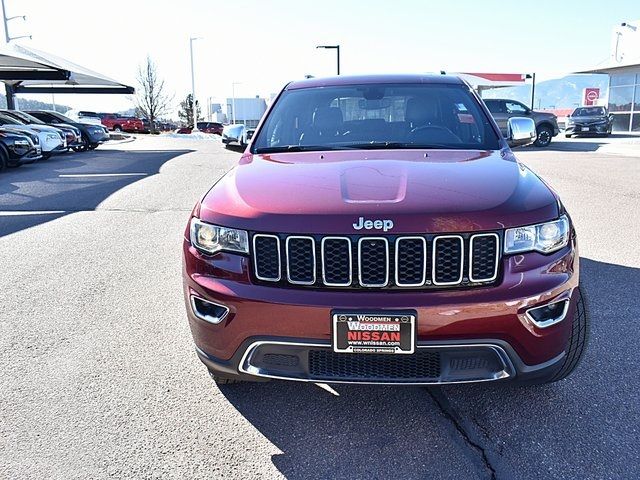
x=212 y=238
x=570 y=122
x=544 y=237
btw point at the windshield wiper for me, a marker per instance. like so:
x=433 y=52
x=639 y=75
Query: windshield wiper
x=391 y=145
x=353 y=146
x=299 y=148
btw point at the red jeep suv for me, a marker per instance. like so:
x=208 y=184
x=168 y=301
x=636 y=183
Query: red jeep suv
x=379 y=229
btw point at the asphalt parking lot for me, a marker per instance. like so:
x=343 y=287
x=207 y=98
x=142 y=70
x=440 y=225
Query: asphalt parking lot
x=100 y=379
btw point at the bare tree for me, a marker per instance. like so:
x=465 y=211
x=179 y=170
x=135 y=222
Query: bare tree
x=152 y=101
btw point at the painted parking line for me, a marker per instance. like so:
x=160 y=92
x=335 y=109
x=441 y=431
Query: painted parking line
x=18 y=213
x=90 y=175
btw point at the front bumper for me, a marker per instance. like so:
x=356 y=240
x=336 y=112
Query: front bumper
x=488 y=326
x=23 y=156
x=98 y=138
x=262 y=358
x=587 y=129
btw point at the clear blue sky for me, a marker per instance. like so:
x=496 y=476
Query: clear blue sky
x=263 y=44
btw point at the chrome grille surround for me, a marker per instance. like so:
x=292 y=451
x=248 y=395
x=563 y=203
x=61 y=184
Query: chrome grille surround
x=257 y=237
x=496 y=260
x=386 y=259
x=322 y=260
x=434 y=263
x=424 y=263
x=313 y=259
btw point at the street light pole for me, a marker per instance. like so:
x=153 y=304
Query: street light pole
x=533 y=88
x=11 y=104
x=194 y=114
x=7 y=39
x=337 y=49
x=233 y=102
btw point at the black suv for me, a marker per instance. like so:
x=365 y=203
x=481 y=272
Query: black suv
x=503 y=109
x=589 y=121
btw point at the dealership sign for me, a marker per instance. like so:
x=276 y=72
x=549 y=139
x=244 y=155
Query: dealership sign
x=590 y=96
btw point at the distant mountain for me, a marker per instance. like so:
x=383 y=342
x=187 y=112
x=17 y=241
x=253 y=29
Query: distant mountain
x=25 y=104
x=565 y=92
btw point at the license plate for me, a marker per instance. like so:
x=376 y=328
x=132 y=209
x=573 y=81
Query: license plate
x=585 y=129
x=374 y=332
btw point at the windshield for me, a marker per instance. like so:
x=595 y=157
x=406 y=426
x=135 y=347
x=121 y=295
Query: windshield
x=25 y=117
x=588 y=112
x=61 y=118
x=376 y=116
x=7 y=120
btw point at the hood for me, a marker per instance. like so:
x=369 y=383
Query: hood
x=546 y=115
x=328 y=192
x=43 y=128
x=19 y=128
x=66 y=126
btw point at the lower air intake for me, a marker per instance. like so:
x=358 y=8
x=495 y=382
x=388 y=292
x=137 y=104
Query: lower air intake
x=420 y=366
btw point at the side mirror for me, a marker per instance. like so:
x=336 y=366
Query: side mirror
x=520 y=131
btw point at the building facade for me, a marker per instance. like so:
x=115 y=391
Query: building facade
x=624 y=99
x=248 y=111
x=623 y=68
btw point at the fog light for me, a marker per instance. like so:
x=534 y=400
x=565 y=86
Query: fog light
x=549 y=314
x=208 y=311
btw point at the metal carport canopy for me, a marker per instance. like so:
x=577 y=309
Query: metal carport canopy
x=27 y=70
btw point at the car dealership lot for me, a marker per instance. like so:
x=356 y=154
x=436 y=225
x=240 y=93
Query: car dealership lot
x=100 y=378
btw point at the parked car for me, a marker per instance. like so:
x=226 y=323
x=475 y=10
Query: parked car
x=589 y=121
x=235 y=134
x=71 y=134
x=17 y=148
x=36 y=135
x=51 y=139
x=83 y=116
x=91 y=136
x=204 y=127
x=379 y=229
x=504 y=109
x=121 y=123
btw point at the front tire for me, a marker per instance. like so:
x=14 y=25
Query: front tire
x=83 y=146
x=567 y=135
x=577 y=345
x=4 y=159
x=544 y=136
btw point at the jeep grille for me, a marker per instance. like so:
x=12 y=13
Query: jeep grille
x=402 y=262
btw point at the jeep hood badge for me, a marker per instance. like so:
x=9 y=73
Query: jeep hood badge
x=384 y=225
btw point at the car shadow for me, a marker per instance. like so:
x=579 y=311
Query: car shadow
x=382 y=431
x=565 y=145
x=47 y=190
